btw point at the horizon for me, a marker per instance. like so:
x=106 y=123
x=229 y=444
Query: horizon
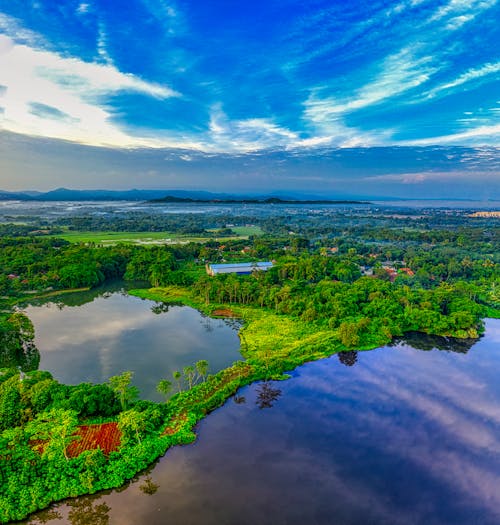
x=327 y=98
x=201 y=194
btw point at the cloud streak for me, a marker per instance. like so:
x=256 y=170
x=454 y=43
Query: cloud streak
x=219 y=81
x=34 y=76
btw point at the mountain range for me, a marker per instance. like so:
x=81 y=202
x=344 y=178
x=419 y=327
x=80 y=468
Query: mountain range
x=65 y=194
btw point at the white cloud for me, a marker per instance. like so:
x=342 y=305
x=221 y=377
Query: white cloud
x=397 y=73
x=480 y=135
x=167 y=15
x=468 y=76
x=83 y=8
x=10 y=27
x=458 y=21
x=458 y=8
x=245 y=135
x=35 y=76
x=434 y=176
x=102 y=44
x=69 y=86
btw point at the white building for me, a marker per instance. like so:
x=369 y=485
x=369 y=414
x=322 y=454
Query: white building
x=238 y=268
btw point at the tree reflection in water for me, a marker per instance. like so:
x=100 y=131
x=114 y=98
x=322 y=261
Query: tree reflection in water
x=87 y=511
x=234 y=323
x=149 y=486
x=348 y=358
x=426 y=342
x=160 y=308
x=46 y=516
x=267 y=395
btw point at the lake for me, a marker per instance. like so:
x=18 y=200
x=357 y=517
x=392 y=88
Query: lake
x=90 y=336
x=398 y=435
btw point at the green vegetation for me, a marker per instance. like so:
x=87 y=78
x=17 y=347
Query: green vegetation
x=345 y=285
x=145 y=238
x=105 y=237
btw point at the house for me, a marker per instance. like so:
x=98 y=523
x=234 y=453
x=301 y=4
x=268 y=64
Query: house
x=238 y=268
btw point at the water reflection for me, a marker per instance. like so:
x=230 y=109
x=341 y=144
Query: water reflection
x=117 y=332
x=239 y=400
x=405 y=437
x=88 y=511
x=46 y=516
x=267 y=394
x=73 y=299
x=149 y=487
x=160 y=308
x=348 y=358
x=426 y=342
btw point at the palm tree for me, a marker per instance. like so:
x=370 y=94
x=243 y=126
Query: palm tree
x=177 y=377
x=201 y=369
x=189 y=373
x=164 y=387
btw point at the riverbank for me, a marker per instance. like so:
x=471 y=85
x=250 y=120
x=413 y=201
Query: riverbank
x=272 y=344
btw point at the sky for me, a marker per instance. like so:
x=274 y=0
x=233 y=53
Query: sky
x=327 y=97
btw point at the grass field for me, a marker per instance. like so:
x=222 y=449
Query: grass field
x=106 y=237
x=246 y=231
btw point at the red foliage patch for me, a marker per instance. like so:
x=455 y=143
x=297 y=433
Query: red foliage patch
x=224 y=312
x=105 y=436
x=175 y=425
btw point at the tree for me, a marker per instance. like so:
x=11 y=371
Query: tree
x=133 y=423
x=189 y=374
x=349 y=332
x=202 y=369
x=121 y=385
x=56 y=430
x=17 y=346
x=164 y=387
x=177 y=377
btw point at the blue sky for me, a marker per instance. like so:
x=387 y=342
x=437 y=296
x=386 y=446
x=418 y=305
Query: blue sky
x=397 y=98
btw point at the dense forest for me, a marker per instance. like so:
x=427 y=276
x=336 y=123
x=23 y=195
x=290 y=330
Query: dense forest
x=340 y=282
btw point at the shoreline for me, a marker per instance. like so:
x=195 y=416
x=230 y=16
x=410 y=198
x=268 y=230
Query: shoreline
x=293 y=342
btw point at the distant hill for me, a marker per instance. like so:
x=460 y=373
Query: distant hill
x=14 y=196
x=162 y=196
x=244 y=200
x=64 y=194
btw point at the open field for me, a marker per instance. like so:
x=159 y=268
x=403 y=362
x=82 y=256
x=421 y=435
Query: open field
x=106 y=237
x=246 y=231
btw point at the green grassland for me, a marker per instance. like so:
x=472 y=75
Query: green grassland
x=266 y=337
x=110 y=238
x=246 y=231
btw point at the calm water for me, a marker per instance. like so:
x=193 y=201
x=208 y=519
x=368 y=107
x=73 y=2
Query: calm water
x=90 y=337
x=401 y=436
